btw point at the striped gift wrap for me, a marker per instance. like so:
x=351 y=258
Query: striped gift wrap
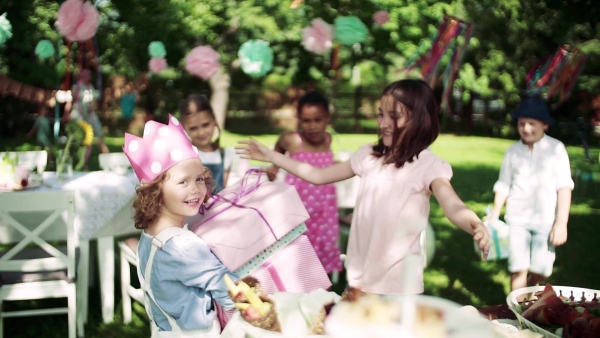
x=295 y=268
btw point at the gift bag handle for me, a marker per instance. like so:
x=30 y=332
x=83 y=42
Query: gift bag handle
x=244 y=191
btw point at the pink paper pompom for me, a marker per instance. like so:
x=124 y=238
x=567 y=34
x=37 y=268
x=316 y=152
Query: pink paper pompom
x=157 y=65
x=202 y=61
x=381 y=17
x=77 y=21
x=318 y=37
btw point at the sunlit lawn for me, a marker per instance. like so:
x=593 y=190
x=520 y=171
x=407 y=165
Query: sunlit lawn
x=455 y=273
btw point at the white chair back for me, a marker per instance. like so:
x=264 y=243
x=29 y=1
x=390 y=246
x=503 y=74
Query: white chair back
x=128 y=291
x=114 y=162
x=34 y=268
x=32 y=158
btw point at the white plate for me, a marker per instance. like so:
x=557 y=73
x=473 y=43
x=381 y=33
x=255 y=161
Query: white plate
x=30 y=185
x=459 y=324
x=566 y=291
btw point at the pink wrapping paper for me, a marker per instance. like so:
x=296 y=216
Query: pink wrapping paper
x=295 y=268
x=247 y=217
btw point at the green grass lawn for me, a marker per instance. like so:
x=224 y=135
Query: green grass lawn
x=455 y=273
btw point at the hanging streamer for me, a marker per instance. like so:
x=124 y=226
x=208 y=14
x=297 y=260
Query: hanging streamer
x=446 y=39
x=451 y=73
x=556 y=74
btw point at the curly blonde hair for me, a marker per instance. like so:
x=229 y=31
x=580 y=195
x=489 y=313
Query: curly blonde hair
x=148 y=198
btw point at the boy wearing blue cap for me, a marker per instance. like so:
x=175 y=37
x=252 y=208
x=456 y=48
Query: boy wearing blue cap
x=535 y=182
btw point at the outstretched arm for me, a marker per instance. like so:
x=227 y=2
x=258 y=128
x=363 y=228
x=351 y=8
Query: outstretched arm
x=254 y=150
x=459 y=214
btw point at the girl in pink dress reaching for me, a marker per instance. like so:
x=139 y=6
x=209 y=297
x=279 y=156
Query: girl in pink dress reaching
x=398 y=175
x=312 y=145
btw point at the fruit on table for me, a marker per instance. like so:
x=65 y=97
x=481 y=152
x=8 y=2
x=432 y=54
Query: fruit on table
x=578 y=318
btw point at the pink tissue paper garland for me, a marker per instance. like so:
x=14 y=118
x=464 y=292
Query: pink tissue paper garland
x=77 y=21
x=157 y=65
x=318 y=37
x=381 y=17
x=203 y=61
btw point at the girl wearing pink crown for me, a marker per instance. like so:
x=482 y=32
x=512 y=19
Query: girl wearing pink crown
x=179 y=274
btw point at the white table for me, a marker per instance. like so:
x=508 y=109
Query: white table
x=102 y=212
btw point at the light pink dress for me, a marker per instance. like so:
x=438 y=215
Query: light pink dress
x=321 y=203
x=392 y=209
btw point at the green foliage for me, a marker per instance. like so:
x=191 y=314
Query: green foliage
x=510 y=37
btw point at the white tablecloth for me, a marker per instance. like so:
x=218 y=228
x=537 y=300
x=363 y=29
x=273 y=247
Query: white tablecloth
x=99 y=197
x=102 y=205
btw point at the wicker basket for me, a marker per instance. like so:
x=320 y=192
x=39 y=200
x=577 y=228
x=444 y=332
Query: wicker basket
x=575 y=294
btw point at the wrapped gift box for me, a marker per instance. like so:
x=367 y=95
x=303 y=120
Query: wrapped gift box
x=247 y=217
x=499 y=241
x=295 y=268
x=262 y=257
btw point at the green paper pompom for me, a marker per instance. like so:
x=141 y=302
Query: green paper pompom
x=156 y=49
x=256 y=57
x=44 y=49
x=5 y=29
x=350 y=30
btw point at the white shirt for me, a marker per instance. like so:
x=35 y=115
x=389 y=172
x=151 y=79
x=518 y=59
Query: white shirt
x=214 y=157
x=531 y=179
x=237 y=166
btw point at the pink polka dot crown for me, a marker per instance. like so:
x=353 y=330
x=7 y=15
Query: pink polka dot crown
x=161 y=147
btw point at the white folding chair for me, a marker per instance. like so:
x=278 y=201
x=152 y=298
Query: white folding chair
x=117 y=162
x=128 y=291
x=35 y=268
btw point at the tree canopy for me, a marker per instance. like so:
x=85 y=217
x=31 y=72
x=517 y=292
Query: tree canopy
x=510 y=37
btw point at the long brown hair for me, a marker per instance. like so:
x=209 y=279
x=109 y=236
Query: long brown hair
x=148 y=198
x=421 y=128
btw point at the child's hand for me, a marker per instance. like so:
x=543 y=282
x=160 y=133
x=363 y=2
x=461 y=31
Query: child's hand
x=272 y=172
x=558 y=235
x=254 y=150
x=481 y=236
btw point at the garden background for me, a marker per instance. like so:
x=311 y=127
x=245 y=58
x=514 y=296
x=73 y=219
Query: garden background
x=510 y=38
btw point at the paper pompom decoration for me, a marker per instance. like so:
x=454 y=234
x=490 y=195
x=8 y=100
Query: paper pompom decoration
x=157 y=65
x=381 y=17
x=256 y=57
x=77 y=20
x=156 y=49
x=5 y=29
x=202 y=61
x=44 y=49
x=318 y=38
x=350 y=30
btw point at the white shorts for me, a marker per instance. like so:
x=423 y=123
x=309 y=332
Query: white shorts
x=530 y=249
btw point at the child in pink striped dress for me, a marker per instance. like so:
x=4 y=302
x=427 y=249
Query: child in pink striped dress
x=312 y=145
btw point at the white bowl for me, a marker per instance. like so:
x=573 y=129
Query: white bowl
x=566 y=291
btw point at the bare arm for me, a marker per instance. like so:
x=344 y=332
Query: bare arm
x=499 y=200
x=226 y=176
x=252 y=149
x=558 y=235
x=502 y=187
x=459 y=214
x=280 y=147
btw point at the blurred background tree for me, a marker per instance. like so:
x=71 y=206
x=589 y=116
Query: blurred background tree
x=510 y=37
